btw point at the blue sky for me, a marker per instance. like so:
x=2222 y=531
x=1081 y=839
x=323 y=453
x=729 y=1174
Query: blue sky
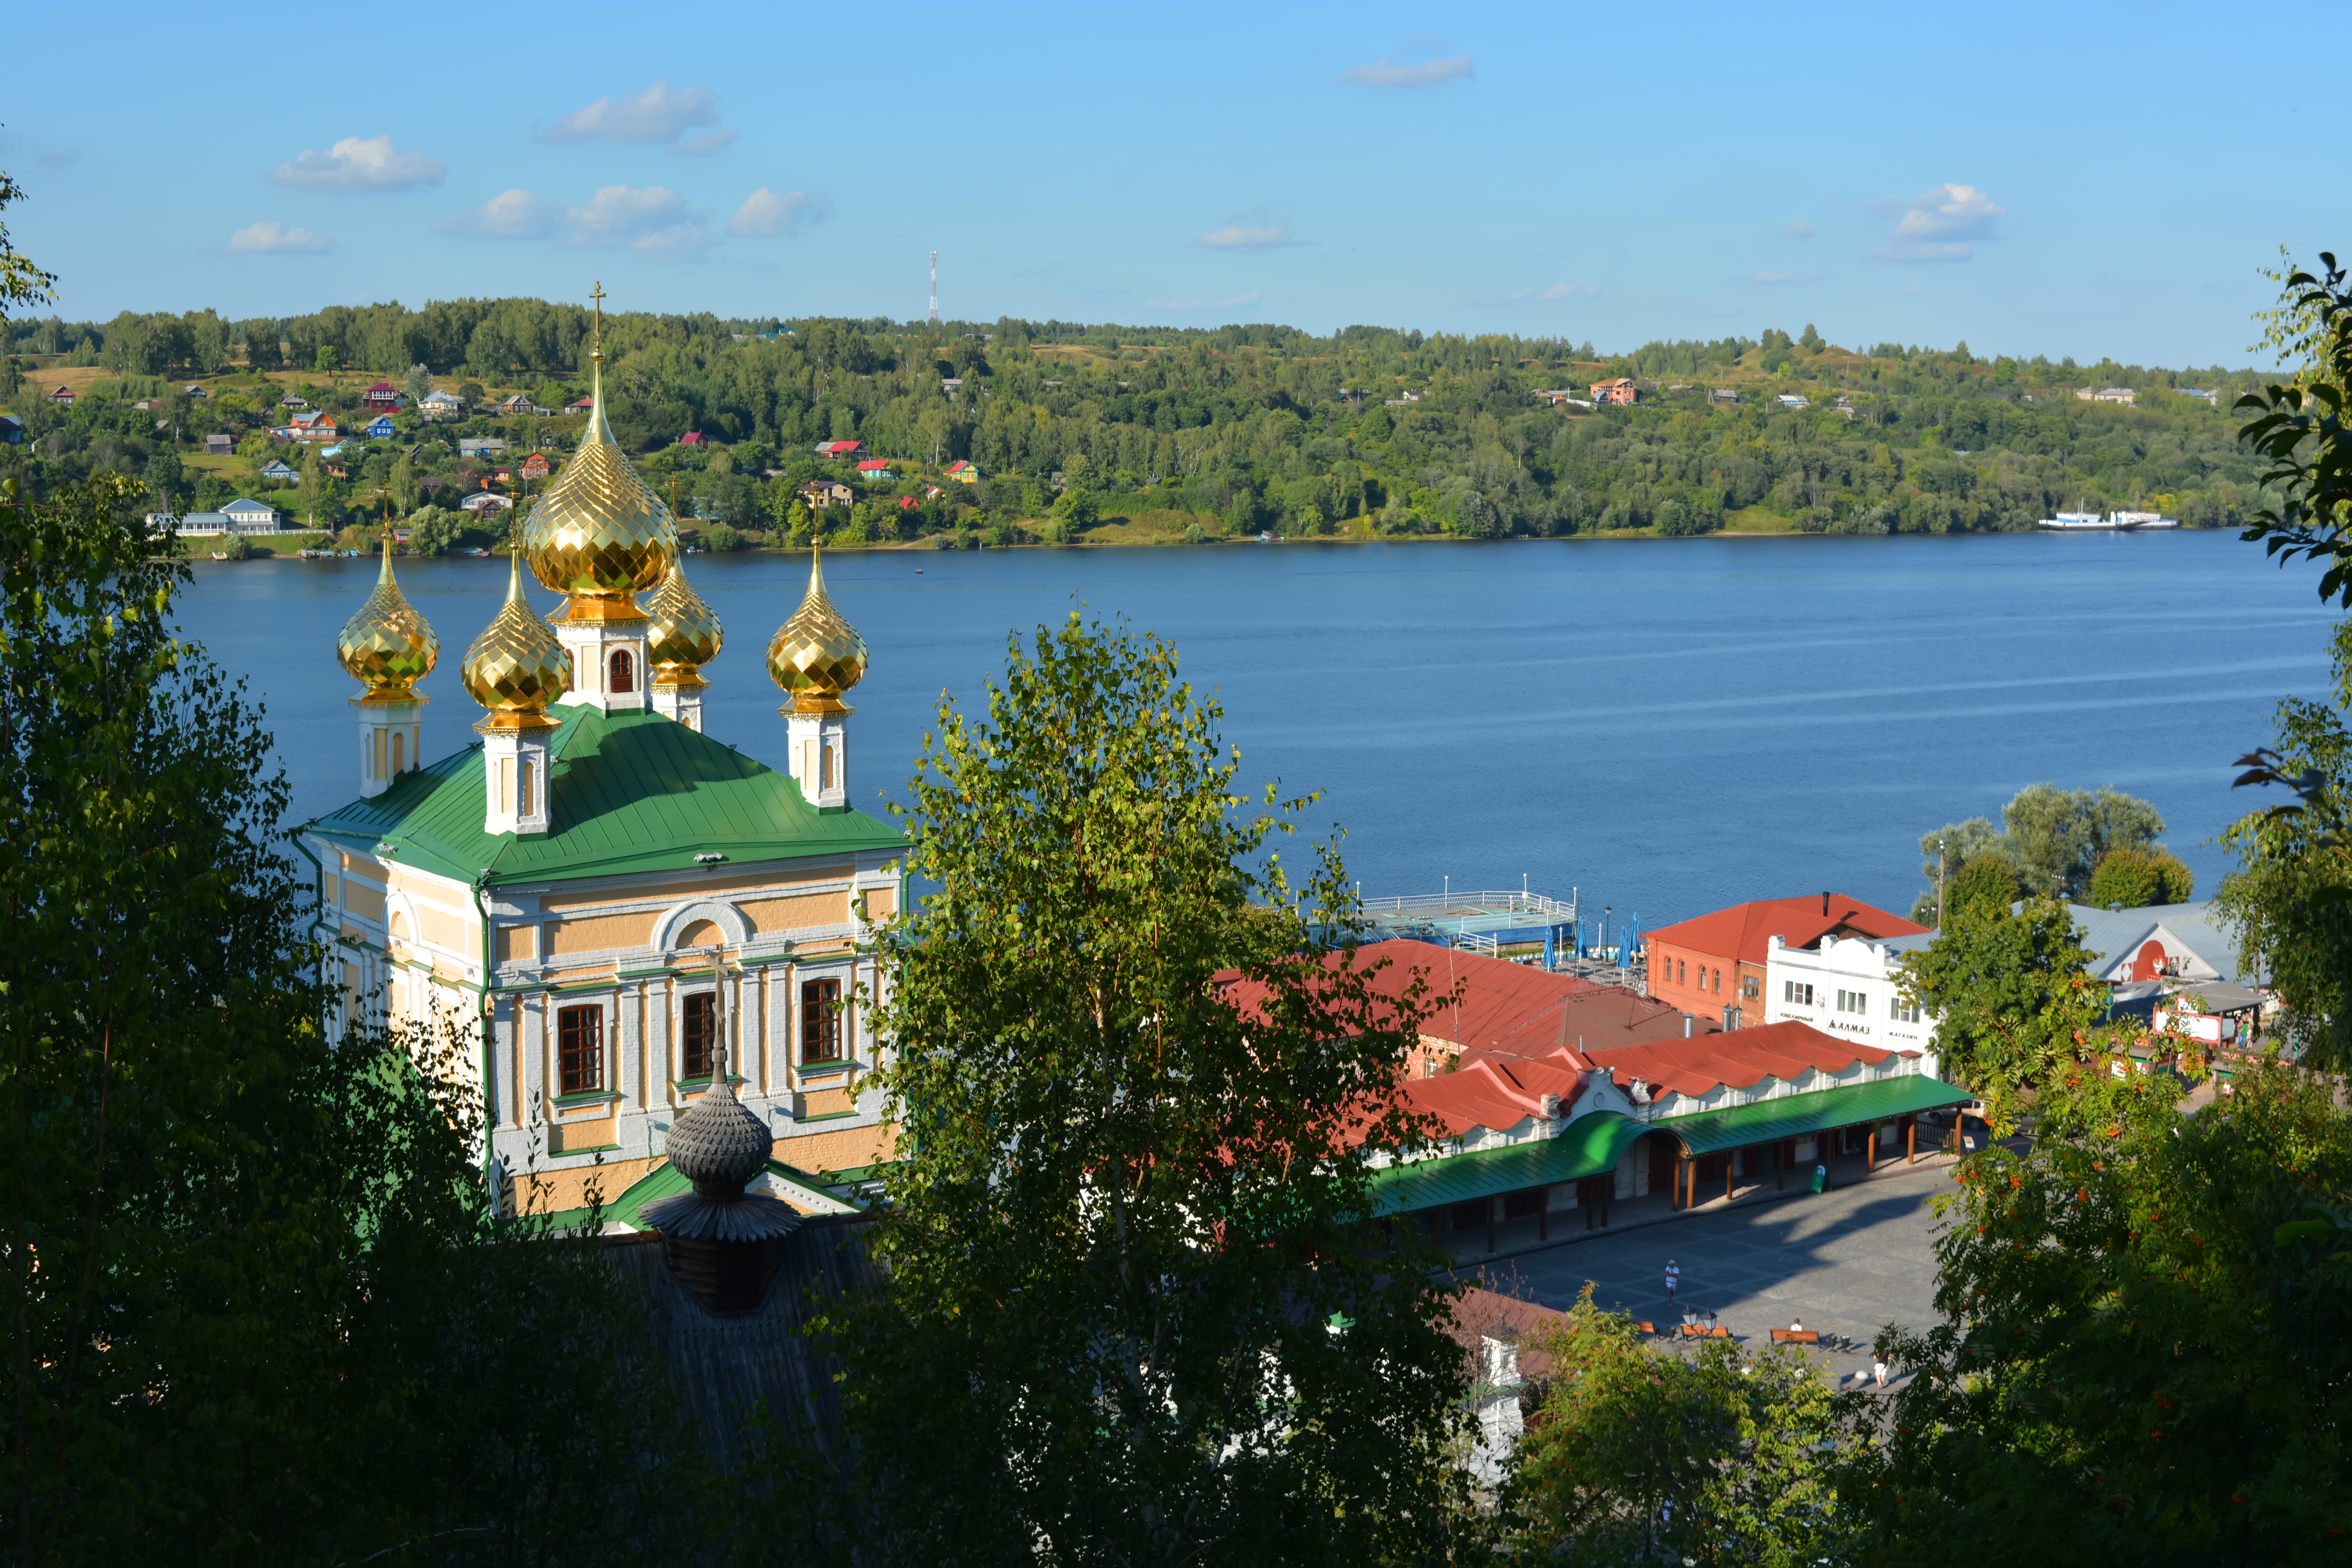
x=2045 y=179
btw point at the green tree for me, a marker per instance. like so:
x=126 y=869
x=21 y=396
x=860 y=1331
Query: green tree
x=2299 y=428
x=2133 y=878
x=2146 y=1349
x=2057 y=836
x=403 y=483
x=1077 y=507
x=2291 y=896
x=163 y=476
x=1635 y=1456
x=21 y=282
x=257 y=1307
x=2011 y=997
x=1141 y=1093
x=314 y=486
x=1986 y=885
x=434 y=529
x=419 y=385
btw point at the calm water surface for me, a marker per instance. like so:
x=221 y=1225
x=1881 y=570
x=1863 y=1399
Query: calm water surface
x=1670 y=725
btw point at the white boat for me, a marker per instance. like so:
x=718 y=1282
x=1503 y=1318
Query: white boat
x=2112 y=522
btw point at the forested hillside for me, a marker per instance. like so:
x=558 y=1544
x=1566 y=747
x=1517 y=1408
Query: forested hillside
x=1236 y=430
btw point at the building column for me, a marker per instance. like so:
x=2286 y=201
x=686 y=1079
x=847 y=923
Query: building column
x=1870 y=1152
x=1911 y=1140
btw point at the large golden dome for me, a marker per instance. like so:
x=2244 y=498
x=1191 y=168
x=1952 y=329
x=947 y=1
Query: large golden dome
x=599 y=534
x=516 y=668
x=816 y=656
x=387 y=644
x=684 y=635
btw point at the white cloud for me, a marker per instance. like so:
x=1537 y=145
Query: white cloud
x=1386 y=72
x=654 y=221
x=1939 y=226
x=621 y=212
x=704 y=145
x=272 y=237
x=359 y=163
x=768 y=212
x=650 y=117
x=510 y=215
x=1234 y=303
x=1799 y=231
x=1237 y=237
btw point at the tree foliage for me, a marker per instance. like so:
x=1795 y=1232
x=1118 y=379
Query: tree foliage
x=2133 y=879
x=2052 y=840
x=257 y=1307
x=2010 y=995
x=1138 y=1314
x=2146 y=1355
x=2299 y=429
x=2291 y=896
x=1634 y=1455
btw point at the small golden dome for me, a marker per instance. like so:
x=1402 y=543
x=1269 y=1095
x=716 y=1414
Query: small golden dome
x=816 y=656
x=387 y=644
x=599 y=534
x=684 y=635
x=516 y=668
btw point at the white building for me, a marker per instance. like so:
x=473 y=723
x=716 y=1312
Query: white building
x=1848 y=987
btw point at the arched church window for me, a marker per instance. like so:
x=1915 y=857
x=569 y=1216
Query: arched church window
x=625 y=671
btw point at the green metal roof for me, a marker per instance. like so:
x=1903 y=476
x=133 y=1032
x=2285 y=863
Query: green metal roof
x=1801 y=1115
x=630 y=792
x=1592 y=1144
x=1585 y=1147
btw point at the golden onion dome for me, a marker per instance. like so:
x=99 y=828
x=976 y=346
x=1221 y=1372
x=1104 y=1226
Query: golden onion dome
x=387 y=644
x=516 y=668
x=599 y=533
x=684 y=635
x=816 y=656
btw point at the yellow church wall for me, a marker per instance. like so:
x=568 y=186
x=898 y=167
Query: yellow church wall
x=446 y=931
x=881 y=903
x=554 y=1192
x=844 y=1150
x=827 y=1102
x=768 y=915
x=600 y=933
x=517 y=943
x=364 y=900
x=679 y=890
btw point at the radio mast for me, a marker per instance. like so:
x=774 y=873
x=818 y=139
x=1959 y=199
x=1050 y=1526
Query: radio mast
x=935 y=287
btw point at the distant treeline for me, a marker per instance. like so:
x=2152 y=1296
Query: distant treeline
x=1271 y=427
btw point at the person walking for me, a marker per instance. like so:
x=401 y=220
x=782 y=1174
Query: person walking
x=1673 y=1278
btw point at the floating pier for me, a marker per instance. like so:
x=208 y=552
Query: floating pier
x=1566 y=937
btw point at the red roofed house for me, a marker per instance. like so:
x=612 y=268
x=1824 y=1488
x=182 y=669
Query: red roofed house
x=1715 y=965
x=1621 y=390
x=63 y=396
x=837 y=448
x=581 y=405
x=1547 y=1094
x=383 y=394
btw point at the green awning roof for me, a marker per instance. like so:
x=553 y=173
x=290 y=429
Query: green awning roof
x=1586 y=1147
x=1803 y=1115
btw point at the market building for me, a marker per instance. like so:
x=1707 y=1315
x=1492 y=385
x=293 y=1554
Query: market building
x=593 y=902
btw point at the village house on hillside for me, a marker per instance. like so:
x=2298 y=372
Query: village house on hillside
x=1621 y=390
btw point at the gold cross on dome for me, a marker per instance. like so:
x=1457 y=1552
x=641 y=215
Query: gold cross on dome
x=597 y=295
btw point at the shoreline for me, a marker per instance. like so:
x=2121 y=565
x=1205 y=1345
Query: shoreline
x=200 y=551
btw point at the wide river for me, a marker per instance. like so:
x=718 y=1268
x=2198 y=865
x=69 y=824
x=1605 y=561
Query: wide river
x=1669 y=725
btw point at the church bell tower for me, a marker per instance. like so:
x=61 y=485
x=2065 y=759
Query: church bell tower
x=388 y=647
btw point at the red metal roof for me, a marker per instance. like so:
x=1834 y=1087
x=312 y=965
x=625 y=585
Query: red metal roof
x=1739 y=932
x=1739 y=1058
x=871 y=464
x=1497 y=1091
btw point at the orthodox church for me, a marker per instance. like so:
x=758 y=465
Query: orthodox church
x=609 y=903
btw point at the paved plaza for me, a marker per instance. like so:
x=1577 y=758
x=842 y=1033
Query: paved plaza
x=1847 y=1262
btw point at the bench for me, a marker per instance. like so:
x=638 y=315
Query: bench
x=1701 y=1332
x=1646 y=1327
x=1795 y=1337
